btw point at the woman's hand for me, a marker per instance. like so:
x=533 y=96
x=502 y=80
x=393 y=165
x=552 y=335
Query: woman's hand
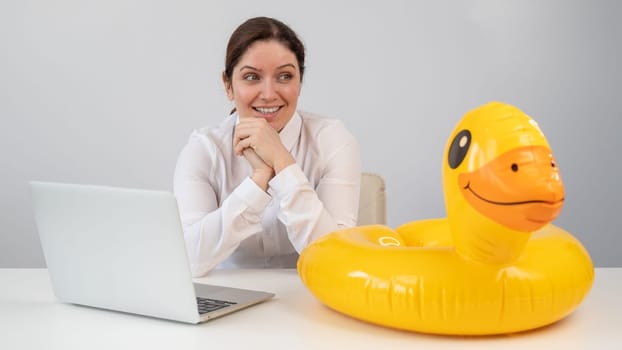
x=257 y=134
x=262 y=172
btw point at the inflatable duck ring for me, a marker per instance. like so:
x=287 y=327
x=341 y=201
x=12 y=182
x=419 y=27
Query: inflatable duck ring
x=494 y=265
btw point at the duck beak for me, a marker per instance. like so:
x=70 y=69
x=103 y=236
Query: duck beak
x=521 y=189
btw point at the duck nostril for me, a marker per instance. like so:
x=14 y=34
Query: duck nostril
x=514 y=167
x=553 y=165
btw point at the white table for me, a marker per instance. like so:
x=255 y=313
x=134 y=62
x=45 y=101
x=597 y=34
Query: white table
x=31 y=318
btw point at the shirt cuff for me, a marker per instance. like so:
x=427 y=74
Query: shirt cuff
x=287 y=180
x=252 y=195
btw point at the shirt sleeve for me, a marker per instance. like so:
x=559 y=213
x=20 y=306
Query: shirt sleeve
x=211 y=232
x=307 y=212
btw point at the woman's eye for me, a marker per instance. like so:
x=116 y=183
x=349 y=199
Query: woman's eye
x=251 y=77
x=285 y=76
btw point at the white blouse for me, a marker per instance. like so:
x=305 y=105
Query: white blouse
x=229 y=221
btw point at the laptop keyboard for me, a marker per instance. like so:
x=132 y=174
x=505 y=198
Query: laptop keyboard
x=207 y=305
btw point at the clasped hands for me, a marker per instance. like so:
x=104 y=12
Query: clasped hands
x=261 y=145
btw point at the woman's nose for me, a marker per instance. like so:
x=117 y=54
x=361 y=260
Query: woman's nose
x=268 y=90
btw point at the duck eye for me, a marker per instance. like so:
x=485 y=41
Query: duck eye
x=459 y=148
x=514 y=167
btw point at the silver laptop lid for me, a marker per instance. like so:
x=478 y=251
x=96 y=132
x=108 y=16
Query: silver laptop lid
x=118 y=249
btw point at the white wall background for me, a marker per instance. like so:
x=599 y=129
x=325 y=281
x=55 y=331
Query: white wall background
x=107 y=92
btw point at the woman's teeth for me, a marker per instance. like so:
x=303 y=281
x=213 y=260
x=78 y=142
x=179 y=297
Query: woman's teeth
x=264 y=110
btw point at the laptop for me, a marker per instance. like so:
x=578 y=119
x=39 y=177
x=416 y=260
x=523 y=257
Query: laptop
x=123 y=249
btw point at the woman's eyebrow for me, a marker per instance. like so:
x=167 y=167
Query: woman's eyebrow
x=249 y=67
x=259 y=70
x=287 y=65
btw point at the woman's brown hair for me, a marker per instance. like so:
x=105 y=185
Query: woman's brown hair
x=261 y=29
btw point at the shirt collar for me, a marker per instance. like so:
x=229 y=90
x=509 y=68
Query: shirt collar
x=291 y=132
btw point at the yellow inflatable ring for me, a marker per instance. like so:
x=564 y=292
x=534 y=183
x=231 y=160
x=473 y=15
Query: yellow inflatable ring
x=495 y=265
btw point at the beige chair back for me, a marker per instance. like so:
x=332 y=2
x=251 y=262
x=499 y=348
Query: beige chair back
x=372 y=202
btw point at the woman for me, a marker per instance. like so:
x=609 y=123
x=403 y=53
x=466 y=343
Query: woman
x=255 y=190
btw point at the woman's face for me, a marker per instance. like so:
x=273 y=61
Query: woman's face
x=266 y=83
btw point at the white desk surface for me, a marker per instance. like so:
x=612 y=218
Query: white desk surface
x=31 y=318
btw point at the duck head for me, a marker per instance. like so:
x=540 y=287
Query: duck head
x=501 y=183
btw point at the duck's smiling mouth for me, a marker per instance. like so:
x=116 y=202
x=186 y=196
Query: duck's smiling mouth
x=520 y=189
x=533 y=201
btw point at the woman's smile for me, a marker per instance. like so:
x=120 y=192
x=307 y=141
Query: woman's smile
x=267 y=112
